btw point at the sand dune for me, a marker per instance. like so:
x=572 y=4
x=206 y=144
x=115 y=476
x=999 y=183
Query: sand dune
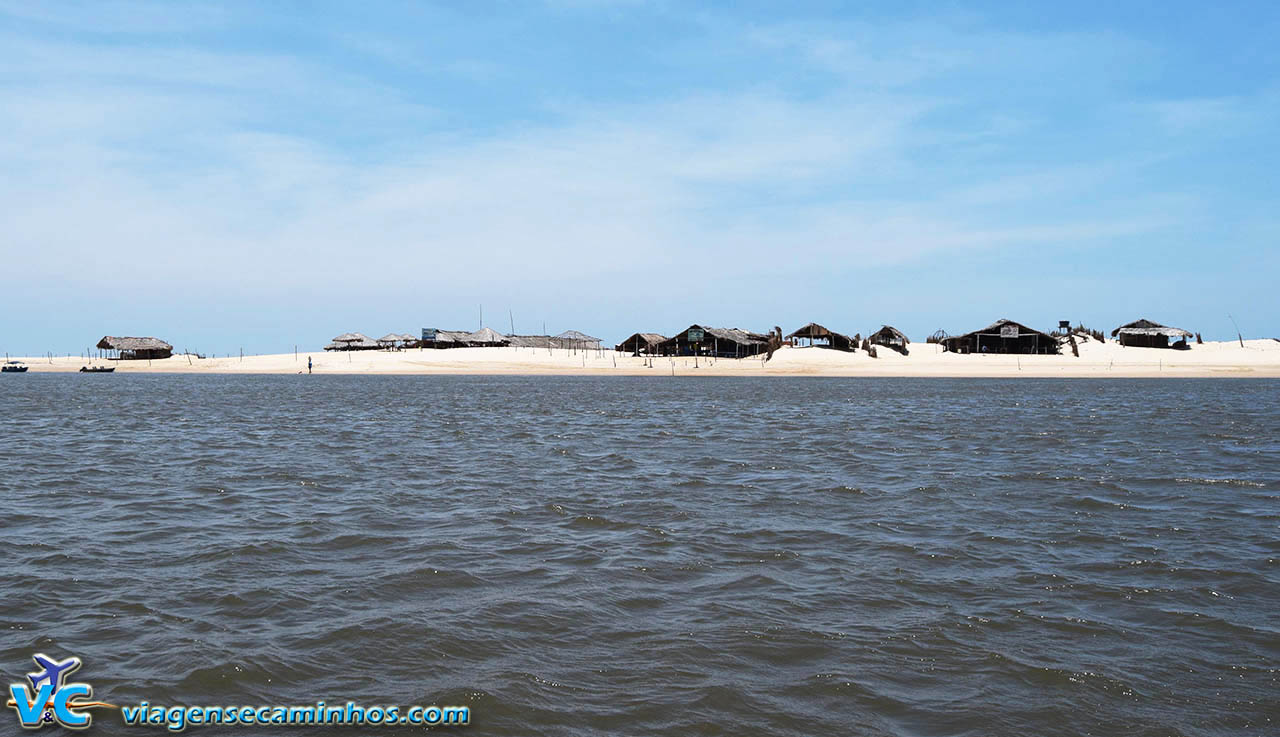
x=1257 y=358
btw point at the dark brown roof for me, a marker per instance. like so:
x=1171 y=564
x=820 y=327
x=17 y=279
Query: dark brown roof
x=733 y=335
x=112 y=343
x=888 y=332
x=812 y=330
x=995 y=329
x=650 y=338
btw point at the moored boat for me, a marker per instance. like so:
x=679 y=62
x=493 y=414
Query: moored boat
x=97 y=369
x=14 y=367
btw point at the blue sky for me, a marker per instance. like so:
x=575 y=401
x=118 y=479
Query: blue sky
x=272 y=174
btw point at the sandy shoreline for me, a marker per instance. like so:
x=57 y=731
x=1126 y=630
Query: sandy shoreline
x=1257 y=358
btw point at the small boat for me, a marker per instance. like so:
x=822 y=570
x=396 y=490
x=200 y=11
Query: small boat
x=97 y=369
x=14 y=367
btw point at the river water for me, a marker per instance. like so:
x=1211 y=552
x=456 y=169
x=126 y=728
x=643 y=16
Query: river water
x=584 y=556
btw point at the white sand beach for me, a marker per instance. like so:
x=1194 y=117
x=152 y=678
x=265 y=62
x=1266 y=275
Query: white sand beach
x=1256 y=358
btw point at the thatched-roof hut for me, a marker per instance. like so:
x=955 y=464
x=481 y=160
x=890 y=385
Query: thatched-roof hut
x=818 y=335
x=129 y=349
x=1003 y=336
x=890 y=337
x=487 y=338
x=577 y=340
x=352 y=342
x=436 y=338
x=532 y=341
x=697 y=340
x=1148 y=334
x=641 y=343
x=396 y=340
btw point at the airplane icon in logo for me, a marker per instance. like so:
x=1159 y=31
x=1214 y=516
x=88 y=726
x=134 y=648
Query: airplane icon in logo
x=55 y=673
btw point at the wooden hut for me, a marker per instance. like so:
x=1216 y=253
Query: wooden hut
x=391 y=341
x=641 y=343
x=890 y=337
x=818 y=335
x=131 y=349
x=697 y=340
x=1003 y=336
x=1148 y=334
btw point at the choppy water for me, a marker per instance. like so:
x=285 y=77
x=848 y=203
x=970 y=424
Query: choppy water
x=578 y=556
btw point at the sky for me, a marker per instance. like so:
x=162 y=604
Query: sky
x=260 y=176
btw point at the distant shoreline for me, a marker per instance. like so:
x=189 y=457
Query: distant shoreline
x=1256 y=359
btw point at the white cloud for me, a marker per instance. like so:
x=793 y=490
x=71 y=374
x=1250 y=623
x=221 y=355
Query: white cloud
x=155 y=162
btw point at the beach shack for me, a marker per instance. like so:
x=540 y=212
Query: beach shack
x=396 y=341
x=889 y=337
x=819 y=336
x=352 y=342
x=436 y=338
x=1148 y=334
x=134 y=349
x=1003 y=336
x=487 y=338
x=698 y=340
x=531 y=341
x=576 y=340
x=641 y=344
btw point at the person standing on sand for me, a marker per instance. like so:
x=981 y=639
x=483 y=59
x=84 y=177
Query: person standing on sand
x=308 y=364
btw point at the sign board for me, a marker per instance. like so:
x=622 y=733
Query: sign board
x=695 y=335
x=1008 y=331
x=428 y=333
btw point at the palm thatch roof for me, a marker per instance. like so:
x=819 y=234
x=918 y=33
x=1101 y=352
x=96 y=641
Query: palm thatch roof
x=408 y=337
x=646 y=338
x=888 y=335
x=575 y=335
x=113 y=343
x=391 y=338
x=999 y=326
x=452 y=336
x=727 y=342
x=1003 y=336
x=351 y=338
x=736 y=335
x=812 y=330
x=530 y=341
x=1147 y=327
x=640 y=341
x=487 y=336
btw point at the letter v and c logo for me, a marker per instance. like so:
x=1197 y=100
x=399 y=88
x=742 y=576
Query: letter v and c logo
x=32 y=712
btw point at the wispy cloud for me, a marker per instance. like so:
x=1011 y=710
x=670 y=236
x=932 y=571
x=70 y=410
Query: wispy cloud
x=172 y=160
